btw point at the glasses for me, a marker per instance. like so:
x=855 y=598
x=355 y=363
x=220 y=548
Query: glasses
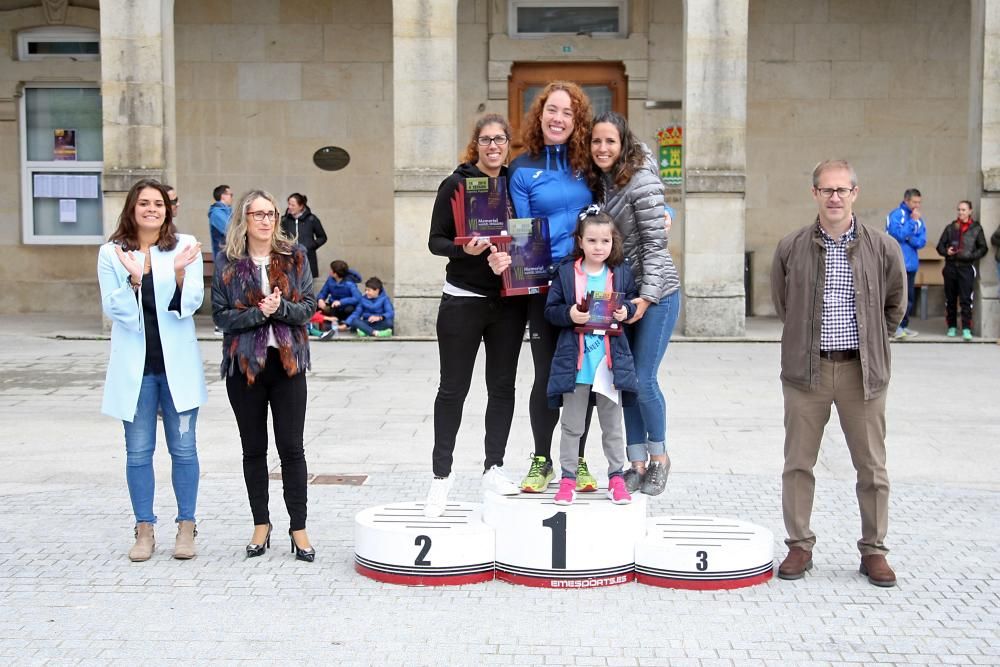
x=826 y=193
x=175 y=202
x=499 y=140
x=259 y=216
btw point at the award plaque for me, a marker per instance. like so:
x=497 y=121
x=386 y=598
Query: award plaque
x=527 y=242
x=479 y=206
x=601 y=307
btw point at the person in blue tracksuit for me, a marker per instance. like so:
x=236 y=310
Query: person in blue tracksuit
x=906 y=225
x=549 y=181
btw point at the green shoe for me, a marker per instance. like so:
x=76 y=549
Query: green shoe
x=952 y=332
x=383 y=333
x=361 y=334
x=539 y=475
x=966 y=334
x=584 y=480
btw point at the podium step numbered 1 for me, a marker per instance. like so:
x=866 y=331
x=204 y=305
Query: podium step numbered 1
x=529 y=540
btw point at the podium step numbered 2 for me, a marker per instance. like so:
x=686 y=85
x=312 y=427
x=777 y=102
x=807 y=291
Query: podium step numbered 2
x=529 y=540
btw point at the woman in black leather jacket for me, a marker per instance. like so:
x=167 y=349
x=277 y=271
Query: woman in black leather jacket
x=302 y=226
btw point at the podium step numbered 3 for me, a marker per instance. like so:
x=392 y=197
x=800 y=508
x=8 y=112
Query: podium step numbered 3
x=529 y=540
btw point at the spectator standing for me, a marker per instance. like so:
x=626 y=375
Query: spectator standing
x=962 y=244
x=836 y=353
x=218 y=216
x=303 y=227
x=174 y=202
x=905 y=224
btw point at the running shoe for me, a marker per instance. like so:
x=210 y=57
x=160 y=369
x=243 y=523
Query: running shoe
x=952 y=332
x=655 y=479
x=539 y=475
x=633 y=479
x=566 y=493
x=617 y=493
x=437 y=496
x=966 y=334
x=495 y=481
x=585 y=482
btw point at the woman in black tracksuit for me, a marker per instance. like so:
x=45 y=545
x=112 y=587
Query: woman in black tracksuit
x=962 y=244
x=473 y=312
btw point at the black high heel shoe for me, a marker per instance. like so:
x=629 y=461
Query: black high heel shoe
x=308 y=555
x=254 y=550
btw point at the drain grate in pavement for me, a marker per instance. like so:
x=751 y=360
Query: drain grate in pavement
x=338 y=480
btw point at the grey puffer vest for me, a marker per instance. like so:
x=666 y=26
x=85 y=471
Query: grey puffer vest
x=637 y=210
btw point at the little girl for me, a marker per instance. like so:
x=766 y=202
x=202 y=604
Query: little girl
x=587 y=362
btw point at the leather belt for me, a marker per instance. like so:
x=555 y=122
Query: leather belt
x=839 y=355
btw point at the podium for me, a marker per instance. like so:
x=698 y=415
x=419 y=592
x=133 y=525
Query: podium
x=397 y=544
x=588 y=544
x=704 y=553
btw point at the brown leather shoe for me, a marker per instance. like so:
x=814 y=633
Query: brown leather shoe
x=795 y=564
x=877 y=569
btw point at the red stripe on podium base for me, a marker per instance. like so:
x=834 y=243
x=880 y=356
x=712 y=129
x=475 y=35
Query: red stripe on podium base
x=423 y=580
x=702 y=584
x=560 y=582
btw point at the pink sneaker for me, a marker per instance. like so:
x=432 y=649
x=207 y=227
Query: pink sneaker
x=617 y=493
x=566 y=493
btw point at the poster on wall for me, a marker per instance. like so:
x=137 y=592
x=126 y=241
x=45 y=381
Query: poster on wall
x=65 y=144
x=671 y=156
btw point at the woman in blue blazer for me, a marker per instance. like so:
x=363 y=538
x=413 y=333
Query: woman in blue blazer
x=151 y=285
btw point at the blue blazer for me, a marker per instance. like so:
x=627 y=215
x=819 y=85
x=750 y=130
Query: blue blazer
x=181 y=356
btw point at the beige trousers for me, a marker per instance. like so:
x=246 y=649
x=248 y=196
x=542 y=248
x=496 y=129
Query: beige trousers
x=863 y=424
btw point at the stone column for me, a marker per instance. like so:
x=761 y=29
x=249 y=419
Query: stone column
x=425 y=72
x=715 y=112
x=136 y=43
x=984 y=99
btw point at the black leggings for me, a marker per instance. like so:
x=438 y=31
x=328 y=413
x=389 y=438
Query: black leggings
x=287 y=398
x=463 y=322
x=543 y=347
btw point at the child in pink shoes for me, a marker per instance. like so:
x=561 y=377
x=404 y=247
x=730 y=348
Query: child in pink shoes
x=586 y=363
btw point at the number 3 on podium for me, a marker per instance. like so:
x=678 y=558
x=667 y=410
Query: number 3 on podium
x=557 y=522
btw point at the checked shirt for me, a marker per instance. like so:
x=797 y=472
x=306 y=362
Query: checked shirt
x=840 y=322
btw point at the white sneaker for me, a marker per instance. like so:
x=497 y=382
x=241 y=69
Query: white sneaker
x=437 y=496
x=495 y=481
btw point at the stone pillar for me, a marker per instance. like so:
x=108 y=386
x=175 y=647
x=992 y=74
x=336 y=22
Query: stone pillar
x=425 y=72
x=715 y=112
x=984 y=98
x=136 y=43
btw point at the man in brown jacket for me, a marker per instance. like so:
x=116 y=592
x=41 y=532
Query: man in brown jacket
x=839 y=287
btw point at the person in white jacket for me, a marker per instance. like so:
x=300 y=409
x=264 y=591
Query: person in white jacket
x=151 y=285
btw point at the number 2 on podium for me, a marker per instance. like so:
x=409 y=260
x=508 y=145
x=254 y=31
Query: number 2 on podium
x=423 y=541
x=557 y=522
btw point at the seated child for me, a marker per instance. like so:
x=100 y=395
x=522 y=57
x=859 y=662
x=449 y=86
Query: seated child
x=585 y=363
x=340 y=295
x=373 y=314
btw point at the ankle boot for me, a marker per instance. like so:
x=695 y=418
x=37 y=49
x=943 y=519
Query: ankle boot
x=145 y=542
x=184 y=546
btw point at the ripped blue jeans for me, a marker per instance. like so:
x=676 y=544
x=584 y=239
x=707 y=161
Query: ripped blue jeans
x=140 y=443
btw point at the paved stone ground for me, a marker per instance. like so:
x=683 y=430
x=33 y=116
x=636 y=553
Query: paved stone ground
x=68 y=594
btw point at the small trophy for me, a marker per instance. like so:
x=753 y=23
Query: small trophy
x=527 y=242
x=601 y=307
x=479 y=206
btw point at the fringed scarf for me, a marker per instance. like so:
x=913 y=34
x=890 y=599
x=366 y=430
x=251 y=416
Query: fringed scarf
x=241 y=279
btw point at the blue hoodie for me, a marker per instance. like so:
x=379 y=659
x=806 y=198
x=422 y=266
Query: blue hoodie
x=346 y=291
x=911 y=234
x=380 y=305
x=542 y=186
x=218 y=223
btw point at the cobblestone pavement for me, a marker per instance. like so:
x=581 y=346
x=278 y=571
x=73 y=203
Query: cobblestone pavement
x=68 y=594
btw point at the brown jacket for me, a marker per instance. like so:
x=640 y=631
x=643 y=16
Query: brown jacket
x=798 y=274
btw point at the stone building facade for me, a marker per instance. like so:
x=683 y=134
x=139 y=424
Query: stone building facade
x=244 y=92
